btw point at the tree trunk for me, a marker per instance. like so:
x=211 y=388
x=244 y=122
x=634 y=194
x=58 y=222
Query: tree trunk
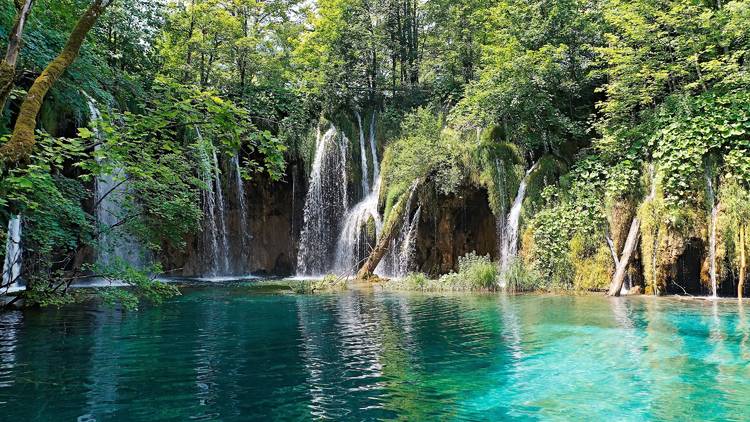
x=388 y=234
x=21 y=143
x=743 y=262
x=627 y=253
x=8 y=65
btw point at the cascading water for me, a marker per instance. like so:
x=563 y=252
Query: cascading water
x=712 y=234
x=363 y=154
x=356 y=239
x=325 y=204
x=111 y=192
x=13 y=255
x=357 y=236
x=374 y=151
x=334 y=237
x=215 y=240
x=501 y=182
x=510 y=229
x=399 y=259
x=409 y=245
x=245 y=236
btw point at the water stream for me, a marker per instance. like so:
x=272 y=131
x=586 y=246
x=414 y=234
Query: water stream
x=712 y=233
x=325 y=204
x=13 y=255
x=111 y=193
x=510 y=229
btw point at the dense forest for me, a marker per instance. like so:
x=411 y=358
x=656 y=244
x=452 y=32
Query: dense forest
x=597 y=145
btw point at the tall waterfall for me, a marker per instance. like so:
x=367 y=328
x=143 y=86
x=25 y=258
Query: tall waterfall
x=354 y=243
x=712 y=234
x=215 y=240
x=335 y=237
x=325 y=204
x=510 y=229
x=13 y=254
x=111 y=193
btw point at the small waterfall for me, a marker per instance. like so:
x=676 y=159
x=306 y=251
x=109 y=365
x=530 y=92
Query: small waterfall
x=501 y=182
x=409 y=245
x=325 y=204
x=13 y=254
x=712 y=234
x=398 y=261
x=245 y=236
x=363 y=155
x=111 y=192
x=374 y=150
x=510 y=229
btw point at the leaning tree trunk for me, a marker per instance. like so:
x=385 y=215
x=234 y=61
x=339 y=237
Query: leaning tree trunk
x=21 y=143
x=743 y=262
x=627 y=253
x=8 y=65
x=389 y=232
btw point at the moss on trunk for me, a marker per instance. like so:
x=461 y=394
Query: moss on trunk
x=21 y=143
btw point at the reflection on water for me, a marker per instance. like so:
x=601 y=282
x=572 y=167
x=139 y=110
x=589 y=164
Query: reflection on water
x=224 y=354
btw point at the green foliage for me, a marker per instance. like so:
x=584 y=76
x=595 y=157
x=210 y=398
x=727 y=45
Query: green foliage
x=520 y=277
x=329 y=283
x=475 y=273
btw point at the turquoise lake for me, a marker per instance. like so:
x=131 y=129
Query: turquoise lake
x=230 y=353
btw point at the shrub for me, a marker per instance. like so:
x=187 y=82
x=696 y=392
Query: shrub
x=522 y=278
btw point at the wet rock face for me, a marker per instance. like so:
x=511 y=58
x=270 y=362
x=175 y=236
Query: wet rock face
x=276 y=217
x=274 y=220
x=452 y=226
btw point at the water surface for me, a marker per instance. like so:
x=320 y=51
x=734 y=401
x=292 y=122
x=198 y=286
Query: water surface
x=226 y=353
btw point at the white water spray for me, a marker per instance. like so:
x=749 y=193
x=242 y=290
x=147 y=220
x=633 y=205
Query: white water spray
x=363 y=157
x=325 y=204
x=13 y=255
x=510 y=229
x=712 y=234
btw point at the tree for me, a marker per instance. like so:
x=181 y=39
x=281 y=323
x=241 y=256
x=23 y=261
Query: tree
x=20 y=146
x=8 y=65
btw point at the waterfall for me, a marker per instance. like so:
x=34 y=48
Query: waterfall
x=335 y=237
x=399 y=258
x=374 y=150
x=363 y=155
x=13 y=254
x=215 y=238
x=712 y=234
x=245 y=236
x=510 y=229
x=325 y=204
x=354 y=244
x=500 y=182
x=409 y=245
x=111 y=193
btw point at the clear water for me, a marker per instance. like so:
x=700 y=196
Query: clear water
x=225 y=353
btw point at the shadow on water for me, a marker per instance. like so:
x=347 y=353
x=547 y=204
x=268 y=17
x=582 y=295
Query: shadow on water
x=221 y=353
